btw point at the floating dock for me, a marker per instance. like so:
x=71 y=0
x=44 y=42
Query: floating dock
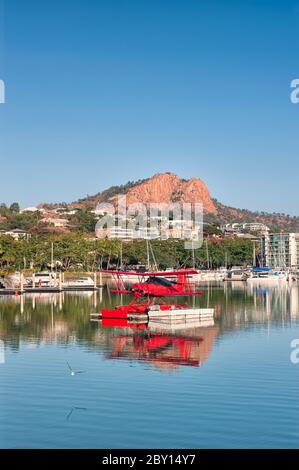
x=172 y=314
x=181 y=314
x=80 y=289
x=11 y=292
x=43 y=290
x=179 y=324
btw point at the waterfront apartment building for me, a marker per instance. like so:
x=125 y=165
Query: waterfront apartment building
x=281 y=250
x=127 y=234
x=246 y=227
x=147 y=233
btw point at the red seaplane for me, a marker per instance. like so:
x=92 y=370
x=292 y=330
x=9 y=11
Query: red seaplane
x=154 y=284
x=151 y=285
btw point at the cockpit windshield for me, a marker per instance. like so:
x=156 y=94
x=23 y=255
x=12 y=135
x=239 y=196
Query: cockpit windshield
x=160 y=281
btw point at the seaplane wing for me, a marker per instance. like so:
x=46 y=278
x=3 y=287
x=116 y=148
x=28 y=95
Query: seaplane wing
x=179 y=272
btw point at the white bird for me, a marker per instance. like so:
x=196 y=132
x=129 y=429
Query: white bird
x=73 y=372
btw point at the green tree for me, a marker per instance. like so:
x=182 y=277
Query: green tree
x=14 y=207
x=84 y=220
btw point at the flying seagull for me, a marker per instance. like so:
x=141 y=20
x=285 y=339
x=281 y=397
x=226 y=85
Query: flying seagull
x=73 y=372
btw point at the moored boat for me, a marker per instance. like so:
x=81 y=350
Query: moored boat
x=82 y=283
x=237 y=274
x=267 y=275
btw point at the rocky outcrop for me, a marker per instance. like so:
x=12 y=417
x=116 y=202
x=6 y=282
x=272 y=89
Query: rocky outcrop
x=166 y=188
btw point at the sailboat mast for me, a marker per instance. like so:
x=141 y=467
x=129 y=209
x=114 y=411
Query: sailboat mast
x=121 y=255
x=52 y=255
x=193 y=255
x=148 y=255
x=208 y=258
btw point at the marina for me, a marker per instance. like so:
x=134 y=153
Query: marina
x=236 y=365
x=149 y=232
x=44 y=282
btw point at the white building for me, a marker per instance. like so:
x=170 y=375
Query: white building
x=122 y=233
x=32 y=209
x=16 y=234
x=247 y=227
x=281 y=250
x=55 y=222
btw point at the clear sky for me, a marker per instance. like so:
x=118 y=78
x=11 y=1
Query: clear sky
x=99 y=92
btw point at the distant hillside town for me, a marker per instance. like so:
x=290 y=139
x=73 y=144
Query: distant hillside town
x=277 y=235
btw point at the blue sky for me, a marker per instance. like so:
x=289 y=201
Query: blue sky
x=99 y=92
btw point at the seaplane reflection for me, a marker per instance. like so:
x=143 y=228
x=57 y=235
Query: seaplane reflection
x=166 y=345
x=72 y=410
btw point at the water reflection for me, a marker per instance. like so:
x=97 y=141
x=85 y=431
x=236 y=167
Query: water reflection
x=73 y=411
x=165 y=346
x=64 y=318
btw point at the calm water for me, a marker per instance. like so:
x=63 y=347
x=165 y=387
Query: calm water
x=230 y=384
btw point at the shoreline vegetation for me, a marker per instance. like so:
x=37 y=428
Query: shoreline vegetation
x=81 y=252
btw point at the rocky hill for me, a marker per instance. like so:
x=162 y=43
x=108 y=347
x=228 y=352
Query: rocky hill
x=168 y=187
